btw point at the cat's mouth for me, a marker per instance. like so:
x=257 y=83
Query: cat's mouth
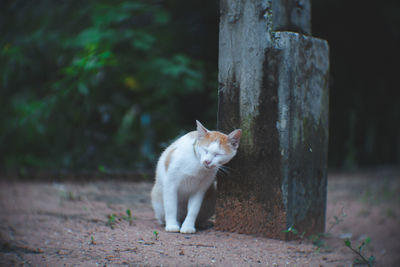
x=210 y=167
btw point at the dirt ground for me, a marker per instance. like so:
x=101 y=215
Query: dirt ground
x=110 y=223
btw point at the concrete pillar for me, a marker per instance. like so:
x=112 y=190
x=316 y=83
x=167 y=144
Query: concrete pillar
x=274 y=86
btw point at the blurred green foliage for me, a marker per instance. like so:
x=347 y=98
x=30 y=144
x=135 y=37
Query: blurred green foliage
x=96 y=84
x=105 y=84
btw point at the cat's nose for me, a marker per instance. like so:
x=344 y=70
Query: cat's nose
x=207 y=163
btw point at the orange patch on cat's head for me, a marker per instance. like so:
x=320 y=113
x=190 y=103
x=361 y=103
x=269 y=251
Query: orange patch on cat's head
x=213 y=136
x=228 y=143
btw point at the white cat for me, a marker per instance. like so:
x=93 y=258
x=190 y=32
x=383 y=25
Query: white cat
x=184 y=177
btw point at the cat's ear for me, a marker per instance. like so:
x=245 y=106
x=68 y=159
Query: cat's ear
x=234 y=138
x=202 y=131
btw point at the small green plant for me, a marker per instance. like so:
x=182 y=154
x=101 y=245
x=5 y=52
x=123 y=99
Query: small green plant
x=337 y=220
x=101 y=169
x=316 y=239
x=129 y=213
x=362 y=259
x=155 y=233
x=128 y=217
x=292 y=230
x=114 y=218
x=111 y=220
x=92 y=242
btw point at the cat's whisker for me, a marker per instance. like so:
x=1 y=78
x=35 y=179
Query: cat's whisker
x=224 y=169
x=221 y=170
x=228 y=168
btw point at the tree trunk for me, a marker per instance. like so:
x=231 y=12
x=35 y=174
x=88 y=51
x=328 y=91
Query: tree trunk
x=274 y=86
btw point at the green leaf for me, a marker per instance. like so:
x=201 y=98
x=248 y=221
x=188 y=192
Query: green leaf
x=302 y=234
x=364 y=243
x=162 y=17
x=347 y=243
x=102 y=169
x=291 y=230
x=83 y=89
x=371 y=260
x=288 y=230
x=361 y=247
x=143 y=41
x=155 y=233
x=111 y=218
x=87 y=36
x=132 y=6
x=129 y=213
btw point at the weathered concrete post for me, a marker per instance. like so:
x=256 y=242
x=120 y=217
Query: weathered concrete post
x=273 y=84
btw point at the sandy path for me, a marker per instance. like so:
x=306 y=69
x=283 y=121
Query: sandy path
x=69 y=224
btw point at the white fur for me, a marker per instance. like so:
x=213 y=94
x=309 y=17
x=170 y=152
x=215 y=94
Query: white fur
x=179 y=190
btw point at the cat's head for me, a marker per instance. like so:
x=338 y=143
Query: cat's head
x=215 y=148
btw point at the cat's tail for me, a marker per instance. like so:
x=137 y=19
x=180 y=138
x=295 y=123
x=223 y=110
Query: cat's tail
x=157 y=203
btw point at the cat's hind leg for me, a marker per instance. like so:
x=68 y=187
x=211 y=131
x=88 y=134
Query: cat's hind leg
x=157 y=203
x=170 y=200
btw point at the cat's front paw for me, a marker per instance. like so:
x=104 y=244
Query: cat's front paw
x=172 y=228
x=188 y=230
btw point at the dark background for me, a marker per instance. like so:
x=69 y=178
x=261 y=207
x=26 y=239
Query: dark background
x=105 y=85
